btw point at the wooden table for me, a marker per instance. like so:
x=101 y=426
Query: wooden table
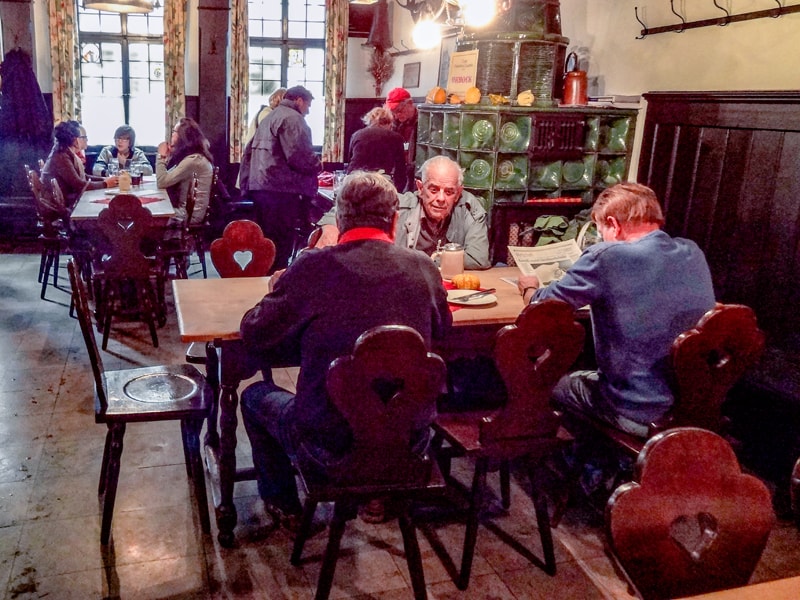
x=210 y=310
x=779 y=589
x=92 y=202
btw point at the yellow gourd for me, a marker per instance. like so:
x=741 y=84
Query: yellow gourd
x=437 y=95
x=455 y=99
x=498 y=99
x=466 y=281
x=526 y=98
x=472 y=96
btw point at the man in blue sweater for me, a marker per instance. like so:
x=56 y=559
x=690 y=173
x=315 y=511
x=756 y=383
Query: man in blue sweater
x=644 y=289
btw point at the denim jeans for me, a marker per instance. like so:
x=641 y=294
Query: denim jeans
x=268 y=415
x=579 y=392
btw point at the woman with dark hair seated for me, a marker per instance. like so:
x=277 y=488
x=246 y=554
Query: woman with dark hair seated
x=64 y=165
x=123 y=154
x=185 y=155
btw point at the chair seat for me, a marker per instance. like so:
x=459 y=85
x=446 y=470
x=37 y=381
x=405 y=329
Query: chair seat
x=158 y=393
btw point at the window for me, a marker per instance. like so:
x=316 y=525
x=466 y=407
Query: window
x=122 y=74
x=287 y=48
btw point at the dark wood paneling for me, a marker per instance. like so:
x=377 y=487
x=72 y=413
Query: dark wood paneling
x=727 y=168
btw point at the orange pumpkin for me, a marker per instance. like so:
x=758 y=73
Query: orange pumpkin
x=437 y=95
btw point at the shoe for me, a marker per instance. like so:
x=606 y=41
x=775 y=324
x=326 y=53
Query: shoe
x=288 y=521
x=374 y=511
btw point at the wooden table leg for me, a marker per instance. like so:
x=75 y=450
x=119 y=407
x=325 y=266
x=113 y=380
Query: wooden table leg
x=221 y=457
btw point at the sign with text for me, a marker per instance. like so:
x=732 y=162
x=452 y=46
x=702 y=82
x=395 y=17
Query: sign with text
x=463 y=69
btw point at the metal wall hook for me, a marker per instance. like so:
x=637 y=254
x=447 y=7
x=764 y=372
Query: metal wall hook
x=674 y=12
x=779 y=12
x=727 y=14
x=644 y=27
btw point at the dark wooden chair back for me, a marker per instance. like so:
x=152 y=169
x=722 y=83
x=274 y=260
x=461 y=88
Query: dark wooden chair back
x=386 y=400
x=690 y=522
x=125 y=224
x=238 y=239
x=707 y=360
x=531 y=356
x=80 y=299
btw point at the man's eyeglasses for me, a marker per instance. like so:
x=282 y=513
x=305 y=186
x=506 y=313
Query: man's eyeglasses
x=83 y=137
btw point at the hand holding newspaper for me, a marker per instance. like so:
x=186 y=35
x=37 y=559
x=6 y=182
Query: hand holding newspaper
x=548 y=263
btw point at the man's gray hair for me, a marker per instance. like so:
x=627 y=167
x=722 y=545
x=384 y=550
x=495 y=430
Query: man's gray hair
x=366 y=199
x=439 y=162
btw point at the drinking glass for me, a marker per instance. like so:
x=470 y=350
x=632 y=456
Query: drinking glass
x=338 y=179
x=113 y=167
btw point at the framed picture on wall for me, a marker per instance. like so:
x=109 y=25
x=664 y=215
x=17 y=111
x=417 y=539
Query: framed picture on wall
x=411 y=75
x=445 y=52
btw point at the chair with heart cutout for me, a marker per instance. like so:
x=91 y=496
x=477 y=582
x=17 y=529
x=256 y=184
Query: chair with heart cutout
x=691 y=522
x=242 y=251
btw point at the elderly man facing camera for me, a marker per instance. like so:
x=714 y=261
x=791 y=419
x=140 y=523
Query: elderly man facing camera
x=440 y=211
x=319 y=306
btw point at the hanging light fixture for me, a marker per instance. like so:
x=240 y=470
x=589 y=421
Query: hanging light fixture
x=120 y=6
x=430 y=14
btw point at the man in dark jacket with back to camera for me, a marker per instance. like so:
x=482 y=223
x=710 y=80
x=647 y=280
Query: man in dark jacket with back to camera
x=279 y=171
x=320 y=305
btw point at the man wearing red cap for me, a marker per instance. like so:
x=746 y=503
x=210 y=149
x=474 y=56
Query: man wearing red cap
x=399 y=102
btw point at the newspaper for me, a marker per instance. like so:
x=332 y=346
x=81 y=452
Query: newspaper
x=548 y=263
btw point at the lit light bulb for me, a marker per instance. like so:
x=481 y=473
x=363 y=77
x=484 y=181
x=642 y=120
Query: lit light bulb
x=426 y=34
x=478 y=13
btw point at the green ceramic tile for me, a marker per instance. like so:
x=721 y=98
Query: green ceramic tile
x=478 y=168
x=592 y=134
x=514 y=134
x=545 y=176
x=578 y=174
x=511 y=172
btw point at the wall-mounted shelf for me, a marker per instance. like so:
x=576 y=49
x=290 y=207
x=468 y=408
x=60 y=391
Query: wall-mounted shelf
x=721 y=21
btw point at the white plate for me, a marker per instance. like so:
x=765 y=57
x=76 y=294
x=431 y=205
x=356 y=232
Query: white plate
x=455 y=295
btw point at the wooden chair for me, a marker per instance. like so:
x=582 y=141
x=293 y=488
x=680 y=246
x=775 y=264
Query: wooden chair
x=158 y=393
x=176 y=249
x=242 y=251
x=198 y=231
x=123 y=268
x=531 y=356
x=385 y=401
x=706 y=361
x=52 y=232
x=690 y=523
x=794 y=491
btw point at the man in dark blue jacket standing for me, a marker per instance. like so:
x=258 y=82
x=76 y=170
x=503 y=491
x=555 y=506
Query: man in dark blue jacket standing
x=279 y=172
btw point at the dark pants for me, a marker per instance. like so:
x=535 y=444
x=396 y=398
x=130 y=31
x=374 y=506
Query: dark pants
x=283 y=217
x=267 y=413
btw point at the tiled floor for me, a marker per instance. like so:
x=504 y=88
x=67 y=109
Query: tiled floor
x=50 y=450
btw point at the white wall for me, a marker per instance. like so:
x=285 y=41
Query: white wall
x=360 y=83
x=762 y=54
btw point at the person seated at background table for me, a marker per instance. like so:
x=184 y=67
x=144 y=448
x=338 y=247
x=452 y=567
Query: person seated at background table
x=320 y=305
x=440 y=211
x=65 y=166
x=377 y=147
x=124 y=152
x=644 y=289
x=185 y=155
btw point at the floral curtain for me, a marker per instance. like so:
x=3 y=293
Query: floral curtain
x=337 y=18
x=174 y=62
x=64 y=57
x=240 y=78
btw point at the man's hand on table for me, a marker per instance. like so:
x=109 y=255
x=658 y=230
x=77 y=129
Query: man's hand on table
x=329 y=237
x=274 y=279
x=527 y=286
x=112 y=181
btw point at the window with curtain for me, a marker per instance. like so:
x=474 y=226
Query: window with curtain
x=122 y=74
x=287 y=48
